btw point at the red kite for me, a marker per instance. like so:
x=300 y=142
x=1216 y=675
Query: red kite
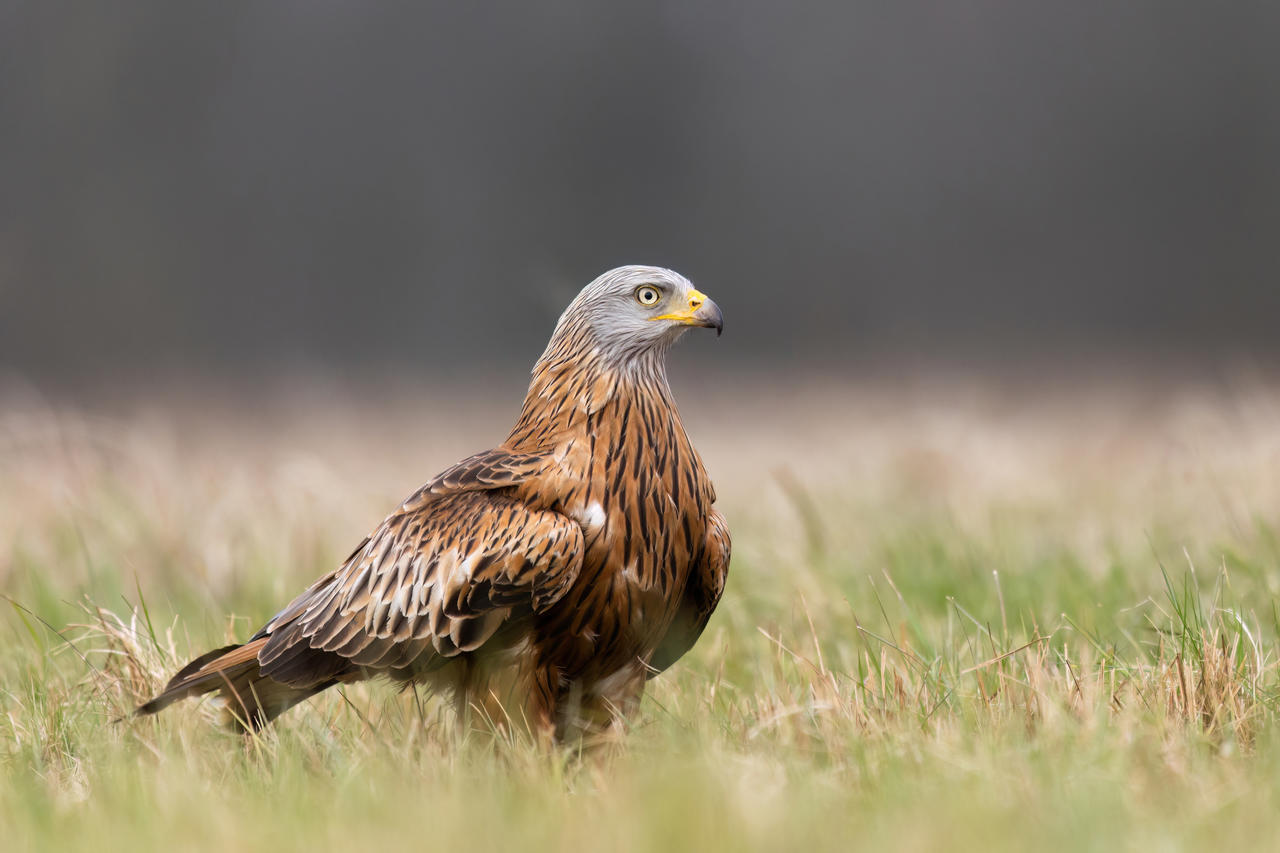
x=541 y=582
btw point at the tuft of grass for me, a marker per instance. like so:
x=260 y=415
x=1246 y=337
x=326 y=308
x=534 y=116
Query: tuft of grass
x=945 y=628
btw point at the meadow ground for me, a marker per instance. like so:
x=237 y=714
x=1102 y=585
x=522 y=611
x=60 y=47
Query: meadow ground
x=960 y=616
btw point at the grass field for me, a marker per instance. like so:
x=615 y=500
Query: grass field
x=960 y=616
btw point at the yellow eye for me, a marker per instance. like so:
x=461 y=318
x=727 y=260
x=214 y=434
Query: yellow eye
x=648 y=295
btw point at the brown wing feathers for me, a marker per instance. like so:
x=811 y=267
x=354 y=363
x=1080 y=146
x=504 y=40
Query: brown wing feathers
x=435 y=580
x=699 y=599
x=440 y=578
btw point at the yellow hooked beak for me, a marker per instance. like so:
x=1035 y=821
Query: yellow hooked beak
x=701 y=312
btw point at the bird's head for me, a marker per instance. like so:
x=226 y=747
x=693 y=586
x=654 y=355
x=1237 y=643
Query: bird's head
x=632 y=310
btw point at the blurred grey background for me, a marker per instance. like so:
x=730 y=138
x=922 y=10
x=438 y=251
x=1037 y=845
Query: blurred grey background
x=223 y=188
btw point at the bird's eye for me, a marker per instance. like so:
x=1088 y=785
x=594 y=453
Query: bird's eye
x=648 y=295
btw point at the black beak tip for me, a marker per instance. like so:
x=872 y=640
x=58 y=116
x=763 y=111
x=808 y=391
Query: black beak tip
x=714 y=319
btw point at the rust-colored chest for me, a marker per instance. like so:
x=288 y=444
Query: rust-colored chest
x=631 y=479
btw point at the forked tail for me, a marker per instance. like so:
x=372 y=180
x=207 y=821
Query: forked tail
x=251 y=699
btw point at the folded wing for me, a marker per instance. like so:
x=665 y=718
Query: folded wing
x=701 y=595
x=440 y=576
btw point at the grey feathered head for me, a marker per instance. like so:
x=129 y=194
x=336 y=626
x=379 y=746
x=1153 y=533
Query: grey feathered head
x=634 y=309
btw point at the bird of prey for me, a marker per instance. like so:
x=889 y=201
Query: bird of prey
x=541 y=582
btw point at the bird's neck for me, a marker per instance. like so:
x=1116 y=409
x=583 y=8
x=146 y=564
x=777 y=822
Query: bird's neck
x=575 y=380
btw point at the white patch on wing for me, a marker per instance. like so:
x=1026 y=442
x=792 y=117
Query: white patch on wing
x=462 y=571
x=591 y=517
x=401 y=600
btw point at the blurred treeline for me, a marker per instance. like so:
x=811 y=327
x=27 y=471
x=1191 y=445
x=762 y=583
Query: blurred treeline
x=215 y=186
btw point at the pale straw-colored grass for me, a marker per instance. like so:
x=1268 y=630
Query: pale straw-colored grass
x=961 y=615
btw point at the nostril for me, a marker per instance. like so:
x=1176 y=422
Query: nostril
x=694 y=302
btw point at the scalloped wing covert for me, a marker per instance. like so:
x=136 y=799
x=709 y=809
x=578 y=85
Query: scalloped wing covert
x=438 y=577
